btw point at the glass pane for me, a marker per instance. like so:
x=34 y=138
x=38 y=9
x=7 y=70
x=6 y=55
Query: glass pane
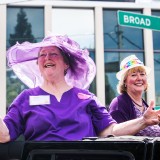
x=157 y=75
x=156 y=40
x=78 y=24
x=156 y=34
x=119 y=42
x=23 y=24
x=120 y=37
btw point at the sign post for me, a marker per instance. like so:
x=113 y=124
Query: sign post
x=131 y=19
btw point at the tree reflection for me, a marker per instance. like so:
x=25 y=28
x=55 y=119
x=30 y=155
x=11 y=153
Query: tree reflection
x=22 y=32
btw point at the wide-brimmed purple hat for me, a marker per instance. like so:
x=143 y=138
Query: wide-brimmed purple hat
x=22 y=58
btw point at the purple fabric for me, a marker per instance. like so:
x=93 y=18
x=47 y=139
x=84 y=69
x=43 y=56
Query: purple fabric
x=122 y=109
x=70 y=119
x=23 y=60
x=152 y=131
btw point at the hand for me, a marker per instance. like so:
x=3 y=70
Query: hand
x=151 y=117
x=4 y=132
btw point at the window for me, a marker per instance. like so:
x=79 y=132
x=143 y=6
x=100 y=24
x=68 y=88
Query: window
x=78 y=24
x=23 y=24
x=119 y=42
x=156 y=47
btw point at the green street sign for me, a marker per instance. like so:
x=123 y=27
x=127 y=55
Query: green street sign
x=131 y=19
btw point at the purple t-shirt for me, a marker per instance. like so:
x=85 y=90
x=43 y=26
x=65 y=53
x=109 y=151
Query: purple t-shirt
x=39 y=116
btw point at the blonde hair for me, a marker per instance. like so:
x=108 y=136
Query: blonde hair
x=121 y=87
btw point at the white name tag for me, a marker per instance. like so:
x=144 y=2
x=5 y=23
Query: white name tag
x=38 y=100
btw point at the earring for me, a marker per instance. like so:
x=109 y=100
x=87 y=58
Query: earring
x=65 y=71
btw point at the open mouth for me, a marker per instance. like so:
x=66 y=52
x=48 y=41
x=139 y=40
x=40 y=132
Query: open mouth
x=49 y=65
x=139 y=84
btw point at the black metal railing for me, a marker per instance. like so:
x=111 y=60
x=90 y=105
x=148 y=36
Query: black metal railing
x=111 y=148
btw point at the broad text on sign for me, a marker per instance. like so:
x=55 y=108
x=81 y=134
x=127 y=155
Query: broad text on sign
x=137 y=20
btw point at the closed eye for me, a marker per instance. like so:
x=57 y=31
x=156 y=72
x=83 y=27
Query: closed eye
x=49 y=54
x=54 y=54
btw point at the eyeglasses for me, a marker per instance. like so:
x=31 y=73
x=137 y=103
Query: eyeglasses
x=51 y=55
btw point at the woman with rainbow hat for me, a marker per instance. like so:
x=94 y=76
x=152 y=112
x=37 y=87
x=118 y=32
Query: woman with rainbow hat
x=129 y=104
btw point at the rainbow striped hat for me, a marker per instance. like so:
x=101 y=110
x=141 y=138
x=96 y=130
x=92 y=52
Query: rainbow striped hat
x=128 y=63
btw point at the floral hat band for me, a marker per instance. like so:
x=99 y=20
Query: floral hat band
x=128 y=63
x=131 y=63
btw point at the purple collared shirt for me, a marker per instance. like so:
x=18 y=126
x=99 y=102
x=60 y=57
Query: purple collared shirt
x=77 y=115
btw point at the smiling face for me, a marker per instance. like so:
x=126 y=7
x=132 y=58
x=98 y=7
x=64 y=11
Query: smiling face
x=51 y=63
x=136 y=80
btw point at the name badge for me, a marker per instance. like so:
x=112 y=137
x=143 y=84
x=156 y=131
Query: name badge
x=39 y=100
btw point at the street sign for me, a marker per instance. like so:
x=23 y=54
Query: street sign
x=132 y=19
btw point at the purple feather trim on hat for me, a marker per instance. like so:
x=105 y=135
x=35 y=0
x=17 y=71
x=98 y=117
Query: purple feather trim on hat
x=22 y=58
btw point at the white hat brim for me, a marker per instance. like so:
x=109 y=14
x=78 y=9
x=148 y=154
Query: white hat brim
x=121 y=73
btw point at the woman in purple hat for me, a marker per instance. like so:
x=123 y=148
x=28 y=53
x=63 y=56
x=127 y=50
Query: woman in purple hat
x=129 y=104
x=58 y=105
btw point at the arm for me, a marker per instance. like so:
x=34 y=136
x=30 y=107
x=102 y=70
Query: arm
x=4 y=132
x=131 y=127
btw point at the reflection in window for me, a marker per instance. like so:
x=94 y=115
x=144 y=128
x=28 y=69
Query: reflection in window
x=119 y=42
x=156 y=47
x=78 y=24
x=23 y=24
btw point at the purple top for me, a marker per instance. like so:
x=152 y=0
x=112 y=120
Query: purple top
x=39 y=116
x=122 y=109
x=153 y=131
